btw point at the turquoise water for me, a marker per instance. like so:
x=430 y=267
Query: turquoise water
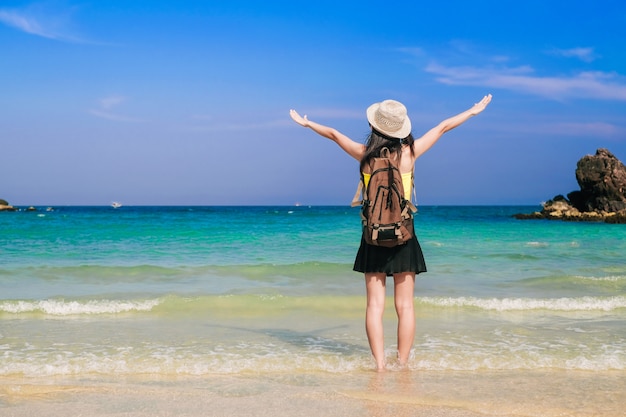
x=229 y=290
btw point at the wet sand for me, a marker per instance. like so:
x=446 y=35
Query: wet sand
x=370 y=394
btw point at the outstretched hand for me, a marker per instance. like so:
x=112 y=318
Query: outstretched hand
x=481 y=105
x=302 y=121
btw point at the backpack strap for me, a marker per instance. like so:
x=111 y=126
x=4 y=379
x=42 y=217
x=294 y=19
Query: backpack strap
x=411 y=204
x=412 y=207
x=358 y=195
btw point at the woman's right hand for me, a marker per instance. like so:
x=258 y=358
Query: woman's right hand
x=352 y=148
x=302 y=121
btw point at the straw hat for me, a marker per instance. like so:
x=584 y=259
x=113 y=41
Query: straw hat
x=389 y=118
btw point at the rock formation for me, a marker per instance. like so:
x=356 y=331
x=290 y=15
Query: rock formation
x=602 y=194
x=5 y=206
x=602 y=181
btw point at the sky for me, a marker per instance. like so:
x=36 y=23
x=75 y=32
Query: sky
x=172 y=102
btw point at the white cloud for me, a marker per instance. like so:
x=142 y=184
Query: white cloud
x=39 y=20
x=112 y=116
x=594 y=85
x=586 y=54
x=106 y=106
x=565 y=130
x=496 y=71
x=112 y=101
x=593 y=129
x=24 y=23
x=336 y=113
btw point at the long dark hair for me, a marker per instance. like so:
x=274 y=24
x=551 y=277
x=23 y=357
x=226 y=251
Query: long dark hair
x=376 y=141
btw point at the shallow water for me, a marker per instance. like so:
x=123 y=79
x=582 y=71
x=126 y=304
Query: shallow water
x=92 y=293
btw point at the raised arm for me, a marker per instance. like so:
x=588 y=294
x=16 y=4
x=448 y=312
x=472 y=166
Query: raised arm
x=352 y=148
x=424 y=143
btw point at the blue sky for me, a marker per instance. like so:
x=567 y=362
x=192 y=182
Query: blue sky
x=187 y=102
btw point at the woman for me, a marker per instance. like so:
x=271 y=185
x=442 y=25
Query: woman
x=391 y=128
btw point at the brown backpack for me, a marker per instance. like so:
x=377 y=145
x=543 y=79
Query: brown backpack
x=387 y=216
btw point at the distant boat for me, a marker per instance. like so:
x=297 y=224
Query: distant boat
x=116 y=204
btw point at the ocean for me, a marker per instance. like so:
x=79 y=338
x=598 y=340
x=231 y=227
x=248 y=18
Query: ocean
x=514 y=317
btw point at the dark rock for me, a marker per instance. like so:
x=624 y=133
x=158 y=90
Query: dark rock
x=602 y=194
x=619 y=217
x=5 y=206
x=530 y=216
x=602 y=181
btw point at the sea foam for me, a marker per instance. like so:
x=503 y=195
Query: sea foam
x=67 y=308
x=518 y=304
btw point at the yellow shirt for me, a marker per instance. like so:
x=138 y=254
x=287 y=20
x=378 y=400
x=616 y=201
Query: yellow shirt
x=407 y=183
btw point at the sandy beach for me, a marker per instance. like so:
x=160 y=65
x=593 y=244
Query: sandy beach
x=393 y=393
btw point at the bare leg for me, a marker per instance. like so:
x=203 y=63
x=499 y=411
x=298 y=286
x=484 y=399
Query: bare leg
x=404 y=284
x=375 y=286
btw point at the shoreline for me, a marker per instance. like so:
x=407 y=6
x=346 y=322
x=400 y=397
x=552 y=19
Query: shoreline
x=367 y=393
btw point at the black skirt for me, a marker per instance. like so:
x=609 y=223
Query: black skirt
x=402 y=258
